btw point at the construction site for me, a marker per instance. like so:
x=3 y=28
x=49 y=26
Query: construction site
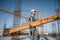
x=29 y=19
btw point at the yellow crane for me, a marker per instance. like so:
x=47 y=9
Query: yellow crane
x=41 y=26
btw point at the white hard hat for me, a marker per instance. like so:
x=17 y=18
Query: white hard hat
x=33 y=10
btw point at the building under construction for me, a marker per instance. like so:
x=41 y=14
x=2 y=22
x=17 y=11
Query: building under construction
x=16 y=23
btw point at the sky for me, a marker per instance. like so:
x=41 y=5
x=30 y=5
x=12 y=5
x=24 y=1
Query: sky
x=46 y=6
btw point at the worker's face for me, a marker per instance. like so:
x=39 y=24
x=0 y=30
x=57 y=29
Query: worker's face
x=33 y=13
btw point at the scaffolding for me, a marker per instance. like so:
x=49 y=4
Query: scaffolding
x=16 y=20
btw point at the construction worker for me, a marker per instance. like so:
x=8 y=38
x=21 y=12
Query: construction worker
x=32 y=30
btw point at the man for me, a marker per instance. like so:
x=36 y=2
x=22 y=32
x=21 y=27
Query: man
x=32 y=30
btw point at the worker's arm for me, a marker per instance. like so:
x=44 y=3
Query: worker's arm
x=28 y=20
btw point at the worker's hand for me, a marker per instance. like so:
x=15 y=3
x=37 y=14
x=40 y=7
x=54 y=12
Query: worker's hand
x=27 y=22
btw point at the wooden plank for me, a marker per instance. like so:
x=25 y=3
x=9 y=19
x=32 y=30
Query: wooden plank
x=35 y=23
